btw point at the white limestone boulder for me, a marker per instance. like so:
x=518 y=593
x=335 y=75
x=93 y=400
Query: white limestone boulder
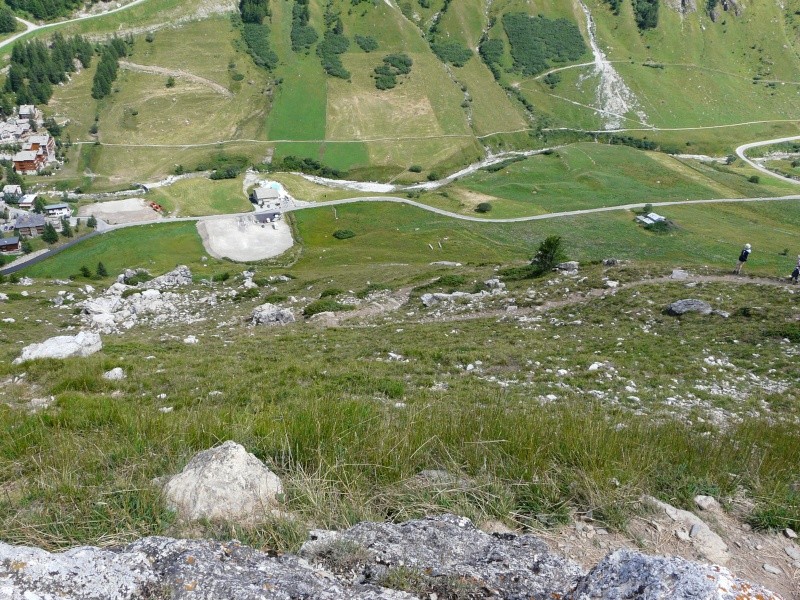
x=64 y=346
x=225 y=483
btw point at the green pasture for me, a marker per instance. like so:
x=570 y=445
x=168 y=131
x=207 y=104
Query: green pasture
x=201 y=196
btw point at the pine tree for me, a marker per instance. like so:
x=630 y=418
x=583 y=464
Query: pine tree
x=66 y=229
x=91 y=222
x=101 y=270
x=50 y=234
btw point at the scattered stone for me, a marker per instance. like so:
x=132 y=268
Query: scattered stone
x=115 y=374
x=445 y=263
x=610 y=262
x=190 y=340
x=269 y=314
x=567 y=268
x=166 y=409
x=3 y=297
x=612 y=284
x=721 y=313
x=792 y=552
x=682 y=307
x=494 y=284
x=9 y=320
x=771 y=569
x=428 y=300
x=129 y=275
x=708 y=543
x=790 y=533
x=225 y=483
x=679 y=274
x=64 y=346
x=706 y=503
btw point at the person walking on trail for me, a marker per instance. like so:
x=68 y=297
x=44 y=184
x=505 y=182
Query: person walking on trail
x=796 y=272
x=742 y=259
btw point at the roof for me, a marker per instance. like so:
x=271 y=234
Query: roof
x=27 y=198
x=262 y=193
x=27 y=108
x=59 y=206
x=24 y=156
x=267 y=217
x=30 y=220
x=12 y=189
x=39 y=139
x=12 y=241
x=655 y=217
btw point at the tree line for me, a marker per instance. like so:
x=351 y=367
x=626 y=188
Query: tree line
x=35 y=68
x=107 y=68
x=536 y=42
x=45 y=9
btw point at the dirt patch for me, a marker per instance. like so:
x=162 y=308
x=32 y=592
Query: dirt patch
x=470 y=199
x=243 y=239
x=116 y=212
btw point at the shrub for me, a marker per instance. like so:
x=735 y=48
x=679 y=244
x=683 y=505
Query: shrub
x=220 y=277
x=646 y=13
x=324 y=305
x=331 y=293
x=343 y=234
x=367 y=43
x=754 y=179
x=394 y=65
x=256 y=38
x=483 y=207
x=329 y=49
x=415 y=168
x=170 y=82
x=549 y=254
x=452 y=52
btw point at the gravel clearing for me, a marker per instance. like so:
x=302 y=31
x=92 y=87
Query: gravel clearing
x=117 y=212
x=242 y=239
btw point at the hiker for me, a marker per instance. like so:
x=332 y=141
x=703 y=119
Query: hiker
x=742 y=258
x=796 y=272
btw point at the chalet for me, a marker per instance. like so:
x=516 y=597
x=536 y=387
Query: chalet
x=37 y=152
x=265 y=196
x=26 y=202
x=58 y=210
x=12 y=192
x=9 y=244
x=30 y=224
x=28 y=111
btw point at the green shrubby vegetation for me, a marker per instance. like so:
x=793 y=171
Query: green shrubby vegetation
x=8 y=24
x=329 y=49
x=367 y=43
x=394 y=65
x=309 y=166
x=45 y=9
x=537 y=42
x=254 y=11
x=452 y=52
x=646 y=13
x=107 y=68
x=256 y=37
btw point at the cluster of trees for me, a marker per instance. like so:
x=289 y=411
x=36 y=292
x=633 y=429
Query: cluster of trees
x=303 y=35
x=492 y=51
x=310 y=166
x=256 y=34
x=107 y=68
x=367 y=43
x=332 y=45
x=394 y=65
x=35 y=68
x=536 y=42
x=615 y=5
x=646 y=13
x=99 y=273
x=8 y=23
x=45 y=9
x=452 y=52
x=254 y=11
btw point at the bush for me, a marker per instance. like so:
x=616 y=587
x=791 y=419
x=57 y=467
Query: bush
x=170 y=82
x=415 y=168
x=549 y=254
x=483 y=207
x=452 y=52
x=646 y=13
x=329 y=49
x=331 y=293
x=256 y=38
x=394 y=65
x=754 y=179
x=324 y=305
x=343 y=234
x=220 y=277
x=367 y=43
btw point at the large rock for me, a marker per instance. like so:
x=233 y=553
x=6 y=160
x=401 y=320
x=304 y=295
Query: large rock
x=682 y=307
x=63 y=346
x=446 y=549
x=444 y=557
x=179 y=276
x=269 y=314
x=628 y=574
x=225 y=483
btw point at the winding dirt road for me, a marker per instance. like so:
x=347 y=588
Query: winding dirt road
x=153 y=70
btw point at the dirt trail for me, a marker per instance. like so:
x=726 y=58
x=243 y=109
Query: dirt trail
x=153 y=70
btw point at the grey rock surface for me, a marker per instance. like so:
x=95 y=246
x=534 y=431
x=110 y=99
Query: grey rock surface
x=115 y=374
x=628 y=574
x=269 y=314
x=225 y=483
x=681 y=307
x=445 y=548
x=439 y=551
x=83 y=344
x=179 y=276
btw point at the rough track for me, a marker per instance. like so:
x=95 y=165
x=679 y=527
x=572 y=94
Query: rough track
x=153 y=70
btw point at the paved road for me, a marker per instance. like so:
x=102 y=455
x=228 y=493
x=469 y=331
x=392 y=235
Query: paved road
x=740 y=152
x=311 y=205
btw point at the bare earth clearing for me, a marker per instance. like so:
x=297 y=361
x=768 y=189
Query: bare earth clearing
x=129 y=66
x=243 y=239
x=116 y=212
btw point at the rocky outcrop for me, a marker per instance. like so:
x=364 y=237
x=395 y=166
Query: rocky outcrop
x=269 y=314
x=64 y=346
x=681 y=307
x=179 y=276
x=225 y=483
x=629 y=574
x=435 y=557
